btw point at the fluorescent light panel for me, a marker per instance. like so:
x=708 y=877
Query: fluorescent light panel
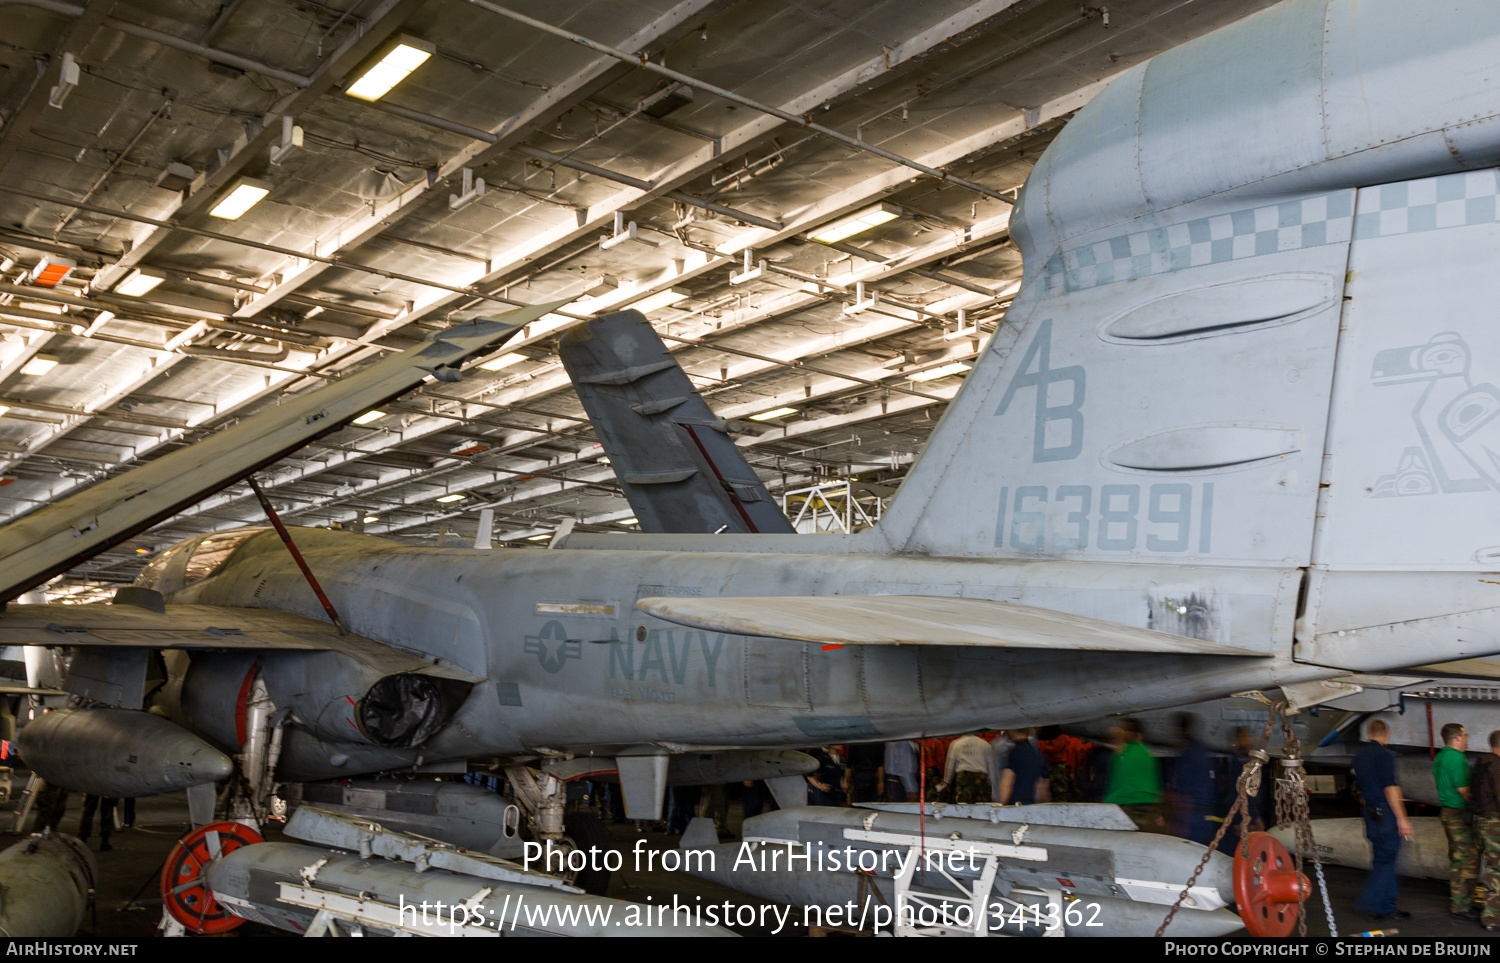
x=504 y=361
x=773 y=413
x=139 y=283
x=932 y=374
x=406 y=55
x=244 y=195
x=856 y=223
x=368 y=417
x=371 y=518
x=39 y=365
x=445 y=499
x=660 y=299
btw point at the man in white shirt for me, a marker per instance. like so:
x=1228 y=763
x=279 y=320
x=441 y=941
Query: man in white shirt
x=970 y=770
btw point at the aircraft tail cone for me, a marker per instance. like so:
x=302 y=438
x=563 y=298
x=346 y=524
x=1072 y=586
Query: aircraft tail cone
x=1267 y=887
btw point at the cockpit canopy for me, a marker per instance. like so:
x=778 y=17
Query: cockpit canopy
x=193 y=559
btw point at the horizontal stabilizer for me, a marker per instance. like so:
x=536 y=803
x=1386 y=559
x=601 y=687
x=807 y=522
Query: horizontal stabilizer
x=205 y=627
x=919 y=620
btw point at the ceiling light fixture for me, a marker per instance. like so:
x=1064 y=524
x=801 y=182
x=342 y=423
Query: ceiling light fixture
x=932 y=374
x=661 y=299
x=368 y=417
x=314 y=312
x=773 y=413
x=446 y=499
x=538 y=538
x=39 y=364
x=243 y=196
x=67 y=79
x=138 y=283
x=504 y=361
x=629 y=521
x=50 y=271
x=856 y=223
x=399 y=59
x=371 y=518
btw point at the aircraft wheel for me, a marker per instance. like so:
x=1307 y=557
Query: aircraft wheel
x=586 y=832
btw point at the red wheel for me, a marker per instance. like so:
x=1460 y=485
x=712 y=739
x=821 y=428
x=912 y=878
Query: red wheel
x=1267 y=886
x=183 y=891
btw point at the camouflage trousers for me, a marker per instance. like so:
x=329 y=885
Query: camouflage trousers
x=971 y=787
x=1463 y=859
x=1487 y=834
x=1146 y=816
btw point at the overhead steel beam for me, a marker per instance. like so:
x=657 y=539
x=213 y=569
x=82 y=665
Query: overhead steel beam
x=803 y=119
x=840 y=202
x=382 y=23
x=354 y=231
x=878 y=326
x=866 y=75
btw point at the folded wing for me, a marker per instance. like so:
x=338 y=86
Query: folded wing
x=206 y=627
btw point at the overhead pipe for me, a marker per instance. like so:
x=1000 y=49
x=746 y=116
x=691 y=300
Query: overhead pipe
x=169 y=40
x=464 y=130
x=641 y=61
x=274 y=249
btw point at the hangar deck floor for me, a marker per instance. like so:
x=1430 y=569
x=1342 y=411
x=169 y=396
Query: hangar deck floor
x=135 y=861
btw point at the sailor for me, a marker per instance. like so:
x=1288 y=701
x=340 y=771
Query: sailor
x=1385 y=822
x=1193 y=790
x=902 y=766
x=1484 y=799
x=1450 y=770
x=1135 y=779
x=1024 y=780
x=968 y=769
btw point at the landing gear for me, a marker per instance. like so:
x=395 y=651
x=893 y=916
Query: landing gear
x=586 y=831
x=543 y=798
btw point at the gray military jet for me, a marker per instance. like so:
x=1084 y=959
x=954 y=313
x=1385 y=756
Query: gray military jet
x=1161 y=483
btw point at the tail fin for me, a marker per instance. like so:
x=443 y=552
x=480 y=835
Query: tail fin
x=1116 y=416
x=679 y=469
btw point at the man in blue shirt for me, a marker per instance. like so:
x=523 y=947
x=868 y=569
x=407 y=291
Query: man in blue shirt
x=1025 y=772
x=1385 y=822
x=1193 y=789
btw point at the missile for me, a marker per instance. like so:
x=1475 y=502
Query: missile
x=46 y=880
x=1342 y=842
x=118 y=752
x=403 y=884
x=1112 y=881
x=464 y=815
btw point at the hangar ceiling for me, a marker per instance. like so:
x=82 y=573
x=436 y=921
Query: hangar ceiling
x=365 y=241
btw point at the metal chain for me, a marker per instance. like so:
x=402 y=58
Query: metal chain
x=1248 y=785
x=1291 y=794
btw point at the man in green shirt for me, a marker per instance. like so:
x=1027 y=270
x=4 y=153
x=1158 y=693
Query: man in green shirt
x=1450 y=770
x=1135 y=780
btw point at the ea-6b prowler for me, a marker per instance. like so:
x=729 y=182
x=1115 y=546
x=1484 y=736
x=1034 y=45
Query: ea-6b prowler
x=1241 y=430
